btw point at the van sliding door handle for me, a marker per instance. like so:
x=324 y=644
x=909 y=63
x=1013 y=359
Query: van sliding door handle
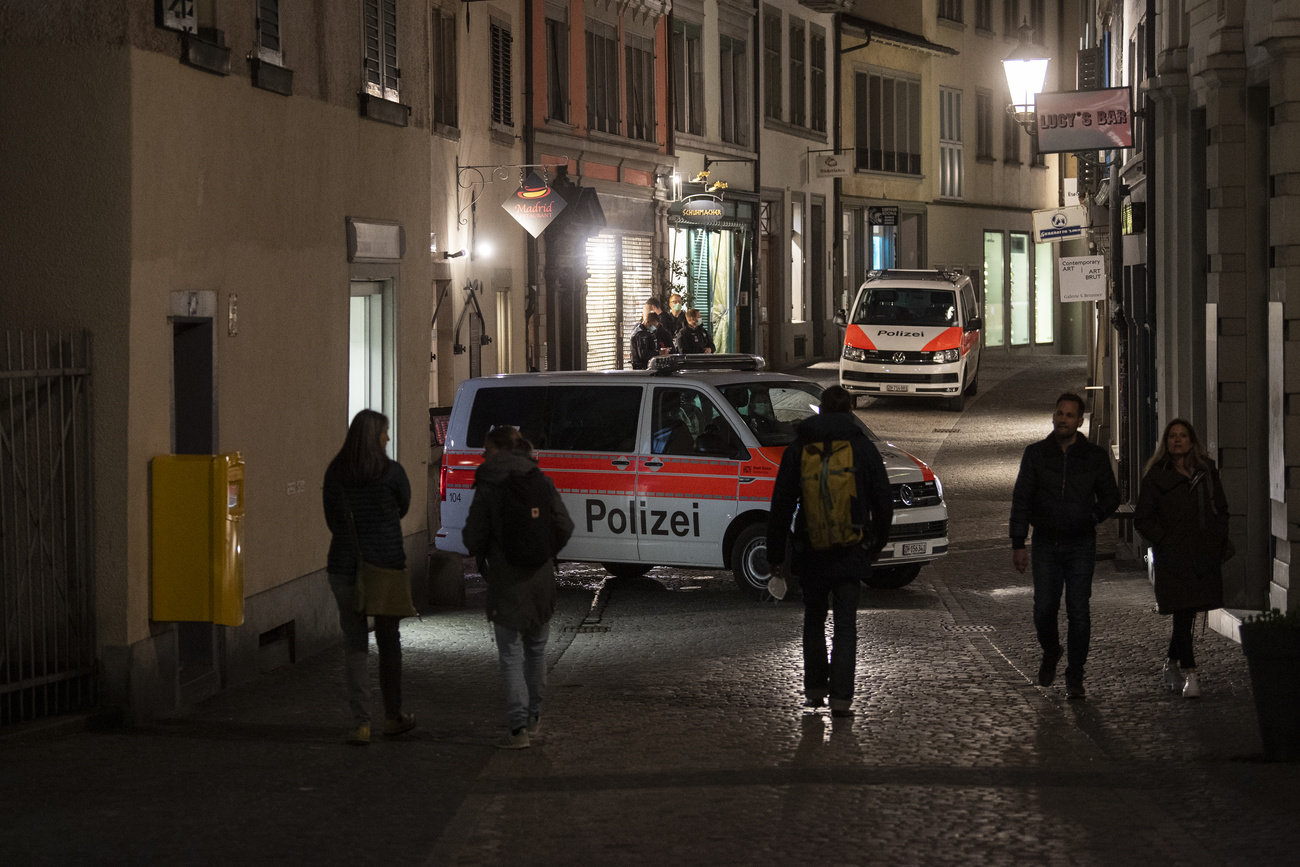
x=745 y=480
x=654 y=464
x=620 y=462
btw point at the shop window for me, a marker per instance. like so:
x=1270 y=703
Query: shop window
x=995 y=288
x=798 y=303
x=1044 y=294
x=372 y=352
x=1020 y=288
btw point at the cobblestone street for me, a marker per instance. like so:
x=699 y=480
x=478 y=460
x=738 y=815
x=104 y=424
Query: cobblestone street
x=674 y=733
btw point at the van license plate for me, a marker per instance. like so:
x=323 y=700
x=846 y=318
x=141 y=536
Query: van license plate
x=892 y=387
x=910 y=548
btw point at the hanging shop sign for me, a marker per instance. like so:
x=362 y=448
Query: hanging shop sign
x=1084 y=120
x=701 y=209
x=1060 y=224
x=1082 y=278
x=833 y=165
x=883 y=215
x=534 y=205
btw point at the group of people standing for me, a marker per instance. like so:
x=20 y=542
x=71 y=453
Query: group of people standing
x=1064 y=488
x=659 y=333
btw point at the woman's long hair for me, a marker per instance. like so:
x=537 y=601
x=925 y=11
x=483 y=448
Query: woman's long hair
x=1197 y=457
x=362 y=458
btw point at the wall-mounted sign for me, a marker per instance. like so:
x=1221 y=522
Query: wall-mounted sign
x=834 y=165
x=1082 y=278
x=1084 y=120
x=699 y=209
x=1060 y=224
x=883 y=215
x=534 y=205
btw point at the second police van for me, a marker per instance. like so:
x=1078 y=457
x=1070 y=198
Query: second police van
x=913 y=334
x=673 y=466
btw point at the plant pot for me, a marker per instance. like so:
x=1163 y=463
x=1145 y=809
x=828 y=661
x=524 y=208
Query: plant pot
x=1273 y=657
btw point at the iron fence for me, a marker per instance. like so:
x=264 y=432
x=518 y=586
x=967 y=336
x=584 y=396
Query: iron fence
x=47 y=623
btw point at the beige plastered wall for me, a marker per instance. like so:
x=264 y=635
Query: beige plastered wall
x=248 y=195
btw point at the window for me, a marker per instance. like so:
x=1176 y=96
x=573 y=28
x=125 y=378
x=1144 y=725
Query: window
x=268 y=32
x=557 y=63
x=372 y=352
x=688 y=78
x=734 y=71
x=577 y=417
x=1020 y=288
x=179 y=15
x=1011 y=18
x=640 y=65
x=1038 y=21
x=686 y=422
x=602 y=77
x=888 y=117
x=817 y=63
x=950 y=9
x=1011 y=133
x=443 y=65
x=798 y=74
x=995 y=288
x=983 y=126
x=984 y=14
x=1036 y=157
x=798 y=303
x=772 y=106
x=503 y=111
x=379 y=26
x=1043 y=293
x=950 y=143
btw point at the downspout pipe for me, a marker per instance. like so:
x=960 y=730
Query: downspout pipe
x=531 y=282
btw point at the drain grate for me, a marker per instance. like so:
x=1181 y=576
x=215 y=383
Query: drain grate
x=947 y=430
x=969 y=627
x=586 y=628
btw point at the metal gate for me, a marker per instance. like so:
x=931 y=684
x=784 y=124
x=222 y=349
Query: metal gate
x=47 y=625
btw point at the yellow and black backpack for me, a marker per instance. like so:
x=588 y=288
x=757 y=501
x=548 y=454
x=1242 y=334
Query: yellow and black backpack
x=829 y=486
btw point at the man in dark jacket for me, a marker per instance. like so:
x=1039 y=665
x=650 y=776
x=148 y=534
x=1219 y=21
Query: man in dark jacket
x=520 y=601
x=830 y=578
x=645 y=342
x=1064 y=490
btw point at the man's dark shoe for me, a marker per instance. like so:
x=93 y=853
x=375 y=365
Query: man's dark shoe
x=1075 y=691
x=1047 y=671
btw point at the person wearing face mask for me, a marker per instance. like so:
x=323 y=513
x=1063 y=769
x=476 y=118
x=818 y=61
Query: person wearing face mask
x=645 y=342
x=1183 y=512
x=672 y=321
x=691 y=338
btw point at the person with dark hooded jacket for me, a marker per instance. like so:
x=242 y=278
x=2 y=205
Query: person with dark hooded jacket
x=520 y=601
x=1064 y=489
x=1182 y=511
x=365 y=496
x=831 y=578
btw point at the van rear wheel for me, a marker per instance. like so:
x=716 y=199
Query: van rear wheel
x=627 y=570
x=892 y=577
x=749 y=561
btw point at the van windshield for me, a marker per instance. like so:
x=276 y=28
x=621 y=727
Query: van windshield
x=926 y=307
x=773 y=410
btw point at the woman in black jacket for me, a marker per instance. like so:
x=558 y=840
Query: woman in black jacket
x=366 y=494
x=1183 y=512
x=691 y=338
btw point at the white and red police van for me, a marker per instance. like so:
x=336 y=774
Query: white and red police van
x=671 y=466
x=913 y=334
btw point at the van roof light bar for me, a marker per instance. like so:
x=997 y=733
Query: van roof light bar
x=949 y=274
x=664 y=365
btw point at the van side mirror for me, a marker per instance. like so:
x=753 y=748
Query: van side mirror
x=842 y=318
x=974 y=324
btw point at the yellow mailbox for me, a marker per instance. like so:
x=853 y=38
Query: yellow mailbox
x=198 y=530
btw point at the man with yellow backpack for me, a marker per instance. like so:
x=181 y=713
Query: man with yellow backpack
x=833 y=487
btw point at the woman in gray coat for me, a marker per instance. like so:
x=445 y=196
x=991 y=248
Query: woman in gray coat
x=1183 y=512
x=520 y=599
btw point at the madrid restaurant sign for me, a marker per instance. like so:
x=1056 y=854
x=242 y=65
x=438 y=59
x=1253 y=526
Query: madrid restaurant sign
x=534 y=205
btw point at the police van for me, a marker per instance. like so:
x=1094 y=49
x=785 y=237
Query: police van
x=671 y=466
x=913 y=334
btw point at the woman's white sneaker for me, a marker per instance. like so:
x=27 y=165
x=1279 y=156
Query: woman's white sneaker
x=1191 y=688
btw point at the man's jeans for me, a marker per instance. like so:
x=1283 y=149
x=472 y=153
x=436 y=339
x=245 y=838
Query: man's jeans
x=1064 y=565
x=356 y=647
x=837 y=673
x=523 y=668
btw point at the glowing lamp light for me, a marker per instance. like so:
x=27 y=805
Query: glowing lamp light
x=1026 y=70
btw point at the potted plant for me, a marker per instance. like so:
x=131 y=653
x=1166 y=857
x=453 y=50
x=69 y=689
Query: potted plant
x=1271 y=642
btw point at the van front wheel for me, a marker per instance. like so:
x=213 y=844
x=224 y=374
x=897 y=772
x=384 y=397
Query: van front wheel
x=749 y=561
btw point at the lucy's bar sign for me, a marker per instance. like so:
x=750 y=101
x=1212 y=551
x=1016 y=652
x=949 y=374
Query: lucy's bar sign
x=1084 y=120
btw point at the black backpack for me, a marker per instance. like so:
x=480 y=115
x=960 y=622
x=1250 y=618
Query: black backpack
x=528 y=534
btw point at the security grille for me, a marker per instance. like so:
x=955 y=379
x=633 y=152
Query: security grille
x=47 y=627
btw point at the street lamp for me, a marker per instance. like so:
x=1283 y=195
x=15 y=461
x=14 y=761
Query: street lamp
x=1026 y=69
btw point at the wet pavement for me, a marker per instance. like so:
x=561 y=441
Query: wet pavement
x=673 y=732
